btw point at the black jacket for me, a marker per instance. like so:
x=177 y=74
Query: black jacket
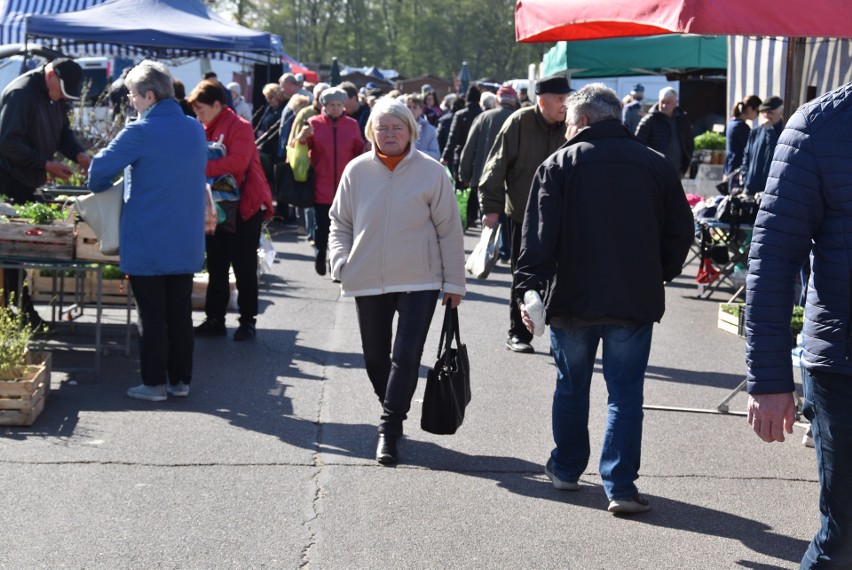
x=33 y=128
x=607 y=223
x=462 y=120
x=654 y=131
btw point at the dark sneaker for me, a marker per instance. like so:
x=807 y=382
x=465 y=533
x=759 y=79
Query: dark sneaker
x=558 y=483
x=319 y=264
x=637 y=504
x=211 y=327
x=515 y=344
x=245 y=332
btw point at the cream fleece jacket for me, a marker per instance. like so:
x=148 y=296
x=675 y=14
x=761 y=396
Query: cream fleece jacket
x=396 y=231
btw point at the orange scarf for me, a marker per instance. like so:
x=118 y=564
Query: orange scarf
x=392 y=161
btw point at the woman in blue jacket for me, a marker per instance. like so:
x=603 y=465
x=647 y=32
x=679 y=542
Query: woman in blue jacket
x=161 y=242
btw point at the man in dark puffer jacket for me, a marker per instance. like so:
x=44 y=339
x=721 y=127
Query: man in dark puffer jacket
x=666 y=129
x=807 y=208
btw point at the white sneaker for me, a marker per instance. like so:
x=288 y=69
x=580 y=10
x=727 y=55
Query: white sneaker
x=181 y=390
x=149 y=393
x=637 y=504
x=808 y=438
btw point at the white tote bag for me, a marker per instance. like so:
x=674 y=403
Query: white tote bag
x=102 y=211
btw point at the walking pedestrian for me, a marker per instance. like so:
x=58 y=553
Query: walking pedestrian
x=607 y=223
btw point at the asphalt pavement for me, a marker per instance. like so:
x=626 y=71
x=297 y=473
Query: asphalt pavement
x=269 y=463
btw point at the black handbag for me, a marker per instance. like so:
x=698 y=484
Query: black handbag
x=448 y=382
x=290 y=191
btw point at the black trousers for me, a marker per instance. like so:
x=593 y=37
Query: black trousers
x=165 y=309
x=393 y=368
x=516 y=323
x=323 y=227
x=238 y=249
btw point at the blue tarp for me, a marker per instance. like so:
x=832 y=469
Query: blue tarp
x=154 y=24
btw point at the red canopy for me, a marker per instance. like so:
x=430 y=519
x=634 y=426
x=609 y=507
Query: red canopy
x=554 y=20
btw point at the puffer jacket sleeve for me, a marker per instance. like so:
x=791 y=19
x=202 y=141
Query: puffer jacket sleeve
x=790 y=214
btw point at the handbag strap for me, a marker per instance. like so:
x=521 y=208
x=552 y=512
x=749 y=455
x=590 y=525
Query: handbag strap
x=449 y=331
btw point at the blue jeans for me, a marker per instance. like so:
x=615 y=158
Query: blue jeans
x=393 y=369
x=828 y=401
x=625 y=357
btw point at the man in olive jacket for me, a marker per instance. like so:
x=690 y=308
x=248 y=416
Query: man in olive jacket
x=525 y=140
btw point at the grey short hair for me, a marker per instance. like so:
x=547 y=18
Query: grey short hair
x=596 y=101
x=488 y=100
x=388 y=106
x=667 y=92
x=151 y=76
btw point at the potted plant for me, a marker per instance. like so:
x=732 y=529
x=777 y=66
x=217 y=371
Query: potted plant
x=711 y=147
x=24 y=374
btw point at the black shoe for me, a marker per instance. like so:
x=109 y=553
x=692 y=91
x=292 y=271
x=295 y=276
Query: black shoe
x=211 y=327
x=387 y=452
x=245 y=332
x=319 y=263
x=515 y=344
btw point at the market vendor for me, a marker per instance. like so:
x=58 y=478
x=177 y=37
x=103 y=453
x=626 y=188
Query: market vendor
x=34 y=126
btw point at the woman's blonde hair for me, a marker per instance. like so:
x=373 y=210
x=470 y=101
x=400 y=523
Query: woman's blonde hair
x=388 y=106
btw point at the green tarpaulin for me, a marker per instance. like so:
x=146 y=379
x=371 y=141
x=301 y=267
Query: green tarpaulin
x=636 y=56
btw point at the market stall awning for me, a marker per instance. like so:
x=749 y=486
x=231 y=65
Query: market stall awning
x=554 y=20
x=636 y=56
x=163 y=27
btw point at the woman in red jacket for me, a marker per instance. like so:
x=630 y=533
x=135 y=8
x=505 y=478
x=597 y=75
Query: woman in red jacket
x=232 y=244
x=333 y=139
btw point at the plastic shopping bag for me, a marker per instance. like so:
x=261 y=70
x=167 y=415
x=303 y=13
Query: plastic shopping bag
x=484 y=256
x=299 y=161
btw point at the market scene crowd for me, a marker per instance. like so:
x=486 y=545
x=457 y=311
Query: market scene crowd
x=570 y=178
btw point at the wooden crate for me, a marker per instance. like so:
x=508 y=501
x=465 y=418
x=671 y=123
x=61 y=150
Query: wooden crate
x=734 y=324
x=89 y=248
x=22 y=402
x=22 y=240
x=42 y=289
x=113 y=291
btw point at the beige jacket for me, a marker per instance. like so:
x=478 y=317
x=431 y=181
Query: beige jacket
x=396 y=231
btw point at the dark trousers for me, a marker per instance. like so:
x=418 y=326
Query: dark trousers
x=828 y=399
x=165 y=309
x=516 y=324
x=238 y=249
x=472 y=214
x=323 y=226
x=393 y=369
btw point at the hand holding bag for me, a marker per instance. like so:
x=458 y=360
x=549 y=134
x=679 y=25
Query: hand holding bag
x=485 y=253
x=448 y=382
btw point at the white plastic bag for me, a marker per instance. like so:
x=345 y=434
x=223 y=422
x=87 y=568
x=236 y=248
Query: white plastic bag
x=102 y=211
x=265 y=255
x=484 y=256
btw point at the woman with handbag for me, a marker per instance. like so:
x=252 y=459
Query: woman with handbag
x=236 y=240
x=162 y=224
x=334 y=139
x=395 y=243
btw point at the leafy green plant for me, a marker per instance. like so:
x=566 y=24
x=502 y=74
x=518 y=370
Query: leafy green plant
x=15 y=336
x=112 y=272
x=710 y=141
x=795 y=322
x=38 y=213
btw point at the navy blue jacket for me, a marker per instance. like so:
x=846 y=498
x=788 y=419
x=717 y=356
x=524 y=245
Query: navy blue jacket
x=162 y=223
x=736 y=138
x=758 y=156
x=806 y=208
x=606 y=224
